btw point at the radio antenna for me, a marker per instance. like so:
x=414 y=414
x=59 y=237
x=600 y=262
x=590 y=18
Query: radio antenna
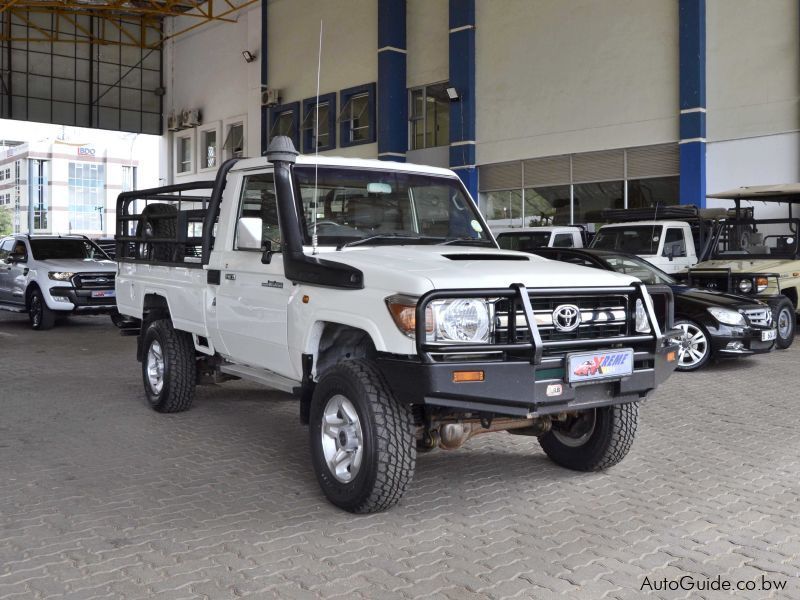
x=316 y=144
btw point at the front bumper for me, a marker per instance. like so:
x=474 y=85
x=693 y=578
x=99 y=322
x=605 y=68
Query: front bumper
x=521 y=388
x=739 y=341
x=82 y=300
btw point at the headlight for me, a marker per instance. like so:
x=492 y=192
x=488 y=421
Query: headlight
x=465 y=321
x=60 y=275
x=642 y=324
x=745 y=286
x=761 y=283
x=726 y=316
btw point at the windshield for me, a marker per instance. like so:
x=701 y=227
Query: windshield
x=55 y=249
x=766 y=238
x=355 y=204
x=635 y=239
x=641 y=269
x=523 y=241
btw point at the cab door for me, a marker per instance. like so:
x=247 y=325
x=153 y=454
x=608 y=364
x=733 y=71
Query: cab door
x=5 y=270
x=674 y=255
x=252 y=299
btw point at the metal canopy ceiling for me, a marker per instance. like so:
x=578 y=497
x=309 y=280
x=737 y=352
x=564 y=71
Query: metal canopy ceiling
x=94 y=63
x=118 y=22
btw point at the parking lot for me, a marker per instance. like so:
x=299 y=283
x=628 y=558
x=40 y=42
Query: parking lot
x=101 y=497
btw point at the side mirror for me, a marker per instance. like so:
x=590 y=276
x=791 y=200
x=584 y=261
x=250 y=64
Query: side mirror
x=16 y=258
x=249 y=231
x=266 y=256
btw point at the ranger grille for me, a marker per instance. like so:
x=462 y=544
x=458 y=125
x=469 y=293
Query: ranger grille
x=94 y=281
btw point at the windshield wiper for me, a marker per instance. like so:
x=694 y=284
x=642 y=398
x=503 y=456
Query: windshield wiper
x=379 y=236
x=470 y=240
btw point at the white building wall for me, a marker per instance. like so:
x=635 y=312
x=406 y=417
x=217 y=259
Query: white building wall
x=428 y=41
x=557 y=77
x=753 y=70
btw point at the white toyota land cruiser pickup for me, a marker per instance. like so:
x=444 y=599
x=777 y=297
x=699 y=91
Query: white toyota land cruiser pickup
x=402 y=327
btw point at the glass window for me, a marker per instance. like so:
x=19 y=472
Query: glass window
x=352 y=204
x=86 y=196
x=429 y=114
x=643 y=193
x=641 y=269
x=591 y=198
x=129 y=174
x=258 y=200
x=234 y=141
x=562 y=240
x=5 y=248
x=357 y=116
x=184 y=163
x=634 y=239
x=523 y=241
x=547 y=205
x=208 y=145
x=674 y=244
x=319 y=137
x=65 y=248
x=503 y=207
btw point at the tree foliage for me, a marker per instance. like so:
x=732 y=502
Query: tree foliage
x=6 y=222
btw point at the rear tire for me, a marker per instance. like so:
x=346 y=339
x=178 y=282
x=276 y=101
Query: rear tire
x=785 y=320
x=41 y=317
x=169 y=369
x=362 y=439
x=594 y=440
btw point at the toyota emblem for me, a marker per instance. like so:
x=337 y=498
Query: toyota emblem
x=566 y=317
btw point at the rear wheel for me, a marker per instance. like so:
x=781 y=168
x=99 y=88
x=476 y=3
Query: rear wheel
x=41 y=317
x=695 y=346
x=785 y=321
x=594 y=439
x=362 y=439
x=169 y=369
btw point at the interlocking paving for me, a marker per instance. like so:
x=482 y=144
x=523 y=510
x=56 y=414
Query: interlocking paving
x=101 y=497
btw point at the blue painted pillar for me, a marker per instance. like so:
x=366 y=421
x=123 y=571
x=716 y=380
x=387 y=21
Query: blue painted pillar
x=462 y=78
x=264 y=78
x=692 y=35
x=392 y=95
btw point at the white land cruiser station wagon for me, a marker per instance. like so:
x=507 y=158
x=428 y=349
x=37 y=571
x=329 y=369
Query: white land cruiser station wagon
x=48 y=275
x=375 y=292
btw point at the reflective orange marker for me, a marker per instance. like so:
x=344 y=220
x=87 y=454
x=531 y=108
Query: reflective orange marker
x=466 y=376
x=671 y=356
x=306 y=299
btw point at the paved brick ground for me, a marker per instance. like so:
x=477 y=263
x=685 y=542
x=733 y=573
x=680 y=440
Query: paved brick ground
x=100 y=497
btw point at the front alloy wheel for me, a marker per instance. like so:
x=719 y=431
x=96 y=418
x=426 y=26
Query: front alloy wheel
x=342 y=438
x=694 y=349
x=41 y=317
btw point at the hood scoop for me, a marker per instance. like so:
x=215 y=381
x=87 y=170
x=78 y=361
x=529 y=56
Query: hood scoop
x=481 y=256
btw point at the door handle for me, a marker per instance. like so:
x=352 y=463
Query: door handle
x=230 y=276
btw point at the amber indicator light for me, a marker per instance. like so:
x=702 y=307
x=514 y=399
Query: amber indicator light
x=466 y=376
x=306 y=299
x=671 y=356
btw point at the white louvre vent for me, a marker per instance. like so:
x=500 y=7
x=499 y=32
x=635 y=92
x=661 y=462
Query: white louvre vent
x=606 y=165
x=500 y=176
x=552 y=170
x=653 y=161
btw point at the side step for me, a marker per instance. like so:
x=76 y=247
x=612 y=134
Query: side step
x=262 y=376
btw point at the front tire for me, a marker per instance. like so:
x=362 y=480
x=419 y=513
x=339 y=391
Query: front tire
x=785 y=321
x=169 y=369
x=595 y=439
x=41 y=317
x=362 y=439
x=695 y=345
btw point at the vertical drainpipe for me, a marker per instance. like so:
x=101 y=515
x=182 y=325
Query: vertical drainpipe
x=462 y=78
x=392 y=99
x=692 y=36
x=264 y=76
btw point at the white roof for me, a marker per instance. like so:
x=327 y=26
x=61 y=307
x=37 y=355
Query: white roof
x=544 y=228
x=339 y=161
x=647 y=223
x=784 y=192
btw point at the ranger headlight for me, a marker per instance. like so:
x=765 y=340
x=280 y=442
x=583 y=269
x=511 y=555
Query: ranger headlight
x=745 y=286
x=642 y=324
x=60 y=275
x=726 y=316
x=466 y=320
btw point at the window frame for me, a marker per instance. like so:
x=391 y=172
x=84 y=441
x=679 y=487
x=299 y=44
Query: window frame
x=274 y=114
x=202 y=149
x=345 y=129
x=424 y=118
x=309 y=105
x=242 y=191
x=227 y=124
x=190 y=139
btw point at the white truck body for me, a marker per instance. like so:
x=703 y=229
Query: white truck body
x=529 y=238
x=669 y=245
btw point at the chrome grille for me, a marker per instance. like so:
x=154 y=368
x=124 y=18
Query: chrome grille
x=601 y=316
x=761 y=317
x=94 y=281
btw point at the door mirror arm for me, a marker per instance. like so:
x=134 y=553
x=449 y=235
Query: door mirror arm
x=266 y=255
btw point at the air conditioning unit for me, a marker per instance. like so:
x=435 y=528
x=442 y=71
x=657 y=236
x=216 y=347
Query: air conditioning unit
x=172 y=122
x=270 y=97
x=190 y=117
